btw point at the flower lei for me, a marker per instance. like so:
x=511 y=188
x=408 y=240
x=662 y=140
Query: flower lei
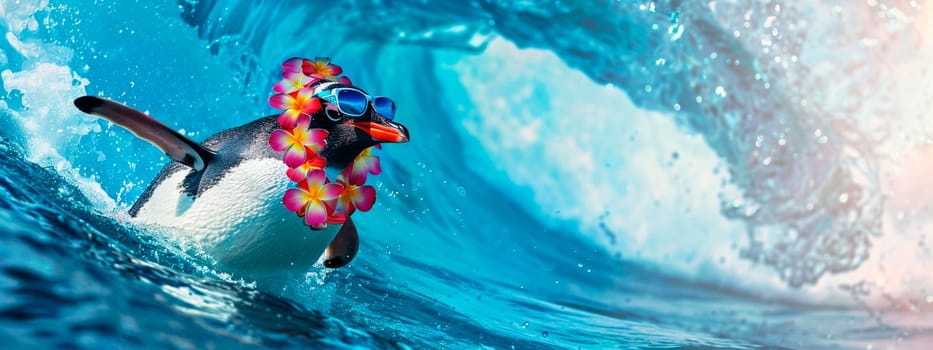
x=314 y=197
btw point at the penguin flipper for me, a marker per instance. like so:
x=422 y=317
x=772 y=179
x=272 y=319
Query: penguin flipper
x=343 y=248
x=178 y=147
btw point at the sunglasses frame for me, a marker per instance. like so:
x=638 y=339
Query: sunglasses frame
x=332 y=96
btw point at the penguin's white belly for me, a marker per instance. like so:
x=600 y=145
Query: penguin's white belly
x=240 y=222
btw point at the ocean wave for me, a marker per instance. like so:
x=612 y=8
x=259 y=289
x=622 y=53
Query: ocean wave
x=772 y=163
x=586 y=147
x=699 y=64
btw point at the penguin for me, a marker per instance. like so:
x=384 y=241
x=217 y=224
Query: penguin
x=223 y=197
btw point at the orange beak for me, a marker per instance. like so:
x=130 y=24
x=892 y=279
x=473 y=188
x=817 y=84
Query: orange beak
x=389 y=132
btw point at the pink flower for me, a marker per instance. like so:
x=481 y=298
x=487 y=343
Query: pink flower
x=344 y=80
x=313 y=199
x=321 y=68
x=293 y=81
x=298 y=143
x=365 y=163
x=297 y=106
x=313 y=162
x=292 y=65
x=354 y=197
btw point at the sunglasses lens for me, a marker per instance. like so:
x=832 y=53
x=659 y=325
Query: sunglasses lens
x=385 y=107
x=352 y=102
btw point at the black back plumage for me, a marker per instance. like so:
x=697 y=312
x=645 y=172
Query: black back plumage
x=232 y=147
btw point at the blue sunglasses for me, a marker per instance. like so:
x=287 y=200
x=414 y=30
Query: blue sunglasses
x=353 y=102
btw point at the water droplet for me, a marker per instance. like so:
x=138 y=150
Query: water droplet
x=461 y=190
x=525 y=325
x=769 y=21
x=676 y=31
x=544 y=334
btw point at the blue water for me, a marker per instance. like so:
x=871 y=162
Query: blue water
x=625 y=174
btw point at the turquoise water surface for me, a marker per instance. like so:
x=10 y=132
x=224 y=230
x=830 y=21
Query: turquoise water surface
x=601 y=174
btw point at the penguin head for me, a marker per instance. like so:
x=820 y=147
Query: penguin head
x=349 y=135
